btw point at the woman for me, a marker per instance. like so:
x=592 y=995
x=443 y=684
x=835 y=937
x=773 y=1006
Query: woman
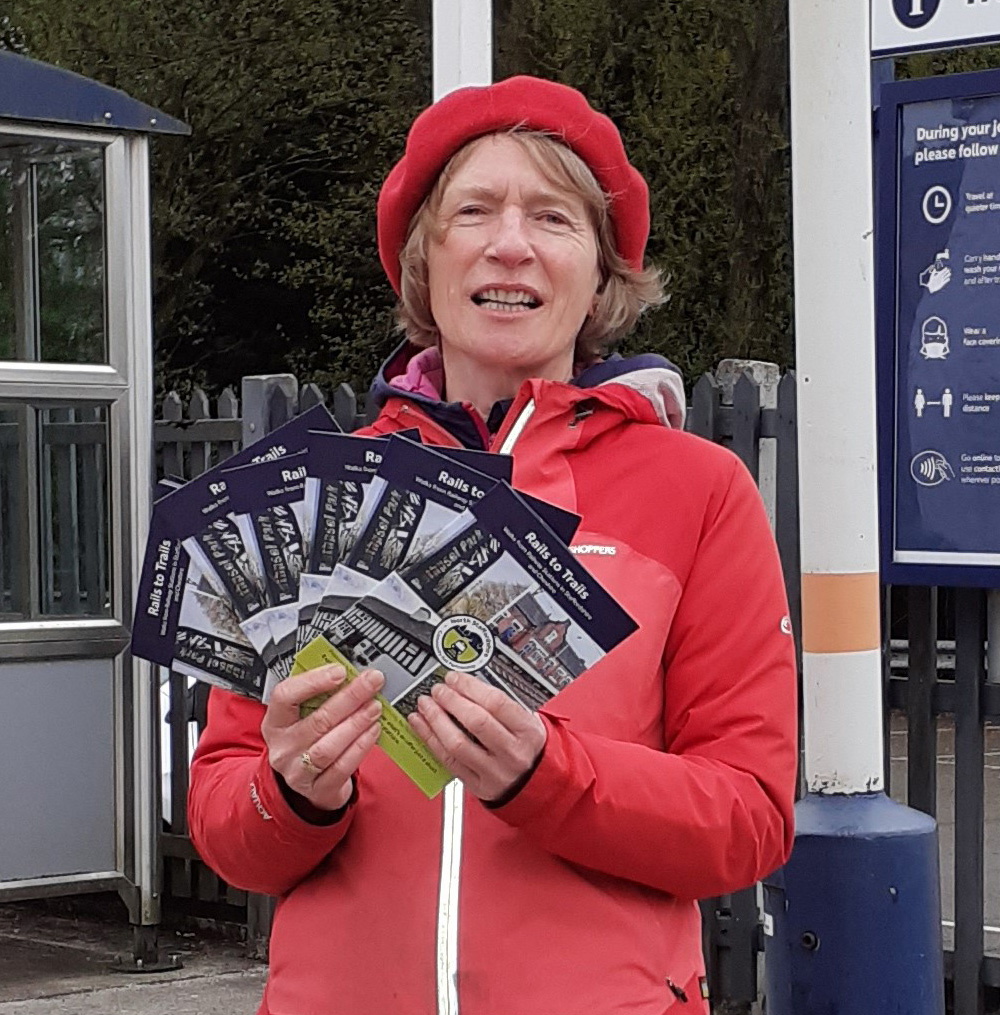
x=558 y=876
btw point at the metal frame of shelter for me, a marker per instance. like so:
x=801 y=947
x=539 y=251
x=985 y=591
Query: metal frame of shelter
x=77 y=714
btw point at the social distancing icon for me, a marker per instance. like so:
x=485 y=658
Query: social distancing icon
x=921 y=403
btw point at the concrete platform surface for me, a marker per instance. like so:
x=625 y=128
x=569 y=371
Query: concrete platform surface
x=54 y=965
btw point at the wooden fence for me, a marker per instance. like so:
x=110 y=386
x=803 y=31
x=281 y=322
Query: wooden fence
x=189 y=440
x=750 y=408
x=944 y=706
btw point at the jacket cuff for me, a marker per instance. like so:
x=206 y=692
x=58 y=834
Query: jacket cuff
x=307 y=810
x=268 y=798
x=519 y=784
x=546 y=785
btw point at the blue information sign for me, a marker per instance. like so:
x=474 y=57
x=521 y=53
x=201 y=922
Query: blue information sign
x=938 y=304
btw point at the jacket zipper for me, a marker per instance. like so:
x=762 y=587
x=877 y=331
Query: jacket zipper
x=453 y=802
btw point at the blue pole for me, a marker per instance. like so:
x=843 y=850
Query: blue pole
x=852 y=920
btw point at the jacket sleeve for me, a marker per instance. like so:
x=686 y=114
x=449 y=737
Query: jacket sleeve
x=713 y=812
x=239 y=820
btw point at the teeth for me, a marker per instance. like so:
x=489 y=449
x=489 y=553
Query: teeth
x=507 y=308
x=504 y=299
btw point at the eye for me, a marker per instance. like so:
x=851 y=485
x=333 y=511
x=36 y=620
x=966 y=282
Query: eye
x=554 y=218
x=471 y=210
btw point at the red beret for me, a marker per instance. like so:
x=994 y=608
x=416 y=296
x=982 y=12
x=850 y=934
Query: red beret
x=463 y=115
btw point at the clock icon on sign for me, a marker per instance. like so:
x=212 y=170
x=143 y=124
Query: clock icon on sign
x=936 y=205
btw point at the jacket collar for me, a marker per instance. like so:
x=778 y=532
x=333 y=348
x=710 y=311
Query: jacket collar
x=418 y=376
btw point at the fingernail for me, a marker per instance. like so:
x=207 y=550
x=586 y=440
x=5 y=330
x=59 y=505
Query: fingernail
x=334 y=671
x=437 y=690
x=451 y=678
x=373 y=710
x=373 y=680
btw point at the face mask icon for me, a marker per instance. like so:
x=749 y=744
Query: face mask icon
x=934 y=339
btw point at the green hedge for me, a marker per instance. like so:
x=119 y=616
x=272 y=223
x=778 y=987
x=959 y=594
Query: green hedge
x=265 y=254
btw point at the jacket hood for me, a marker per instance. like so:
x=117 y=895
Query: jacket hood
x=418 y=374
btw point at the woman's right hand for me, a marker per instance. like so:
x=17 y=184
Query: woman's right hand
x=317 y=756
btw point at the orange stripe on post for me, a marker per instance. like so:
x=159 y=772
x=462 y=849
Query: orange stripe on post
x=840 y=612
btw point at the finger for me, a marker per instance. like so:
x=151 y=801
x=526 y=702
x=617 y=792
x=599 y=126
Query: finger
x=473 y=720
x=302 y=770
x=327 y=790
x=325 y=751
x=453 y=749
x=479 y=719
x=288 y=695
x=508 y=712
x=355 y=696
x=299 y=772
x=422 y=728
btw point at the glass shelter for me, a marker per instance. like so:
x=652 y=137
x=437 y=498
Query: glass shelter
x=77 y=714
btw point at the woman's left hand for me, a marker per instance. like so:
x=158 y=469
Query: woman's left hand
x=511 y=738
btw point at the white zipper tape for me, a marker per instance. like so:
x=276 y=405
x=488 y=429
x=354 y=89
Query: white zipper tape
x=453 y=800
x=519 y=424
x=447 y=926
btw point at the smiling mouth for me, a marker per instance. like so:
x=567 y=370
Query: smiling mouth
x=506 y=300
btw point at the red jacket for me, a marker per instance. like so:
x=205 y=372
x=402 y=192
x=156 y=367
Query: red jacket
x=668 y=774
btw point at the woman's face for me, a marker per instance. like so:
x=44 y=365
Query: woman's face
x=513 y=272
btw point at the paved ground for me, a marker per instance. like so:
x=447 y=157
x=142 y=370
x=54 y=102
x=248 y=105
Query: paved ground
x=64 y=966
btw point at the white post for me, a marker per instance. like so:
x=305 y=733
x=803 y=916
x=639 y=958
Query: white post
x=835 y=363
x=462 y=44
x=145 y=695
x=862 y=864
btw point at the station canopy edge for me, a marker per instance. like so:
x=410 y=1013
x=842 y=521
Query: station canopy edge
x=40 y=93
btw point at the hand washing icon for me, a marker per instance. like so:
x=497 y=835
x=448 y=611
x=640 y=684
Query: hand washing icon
x=937 y=275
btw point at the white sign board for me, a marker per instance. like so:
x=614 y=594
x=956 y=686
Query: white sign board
x=906 y=26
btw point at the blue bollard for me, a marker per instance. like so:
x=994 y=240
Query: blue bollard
x=853 y=920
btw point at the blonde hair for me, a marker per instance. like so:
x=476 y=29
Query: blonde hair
x=623 y=294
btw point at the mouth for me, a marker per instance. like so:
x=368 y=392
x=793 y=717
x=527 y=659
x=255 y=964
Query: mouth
x=510 y=301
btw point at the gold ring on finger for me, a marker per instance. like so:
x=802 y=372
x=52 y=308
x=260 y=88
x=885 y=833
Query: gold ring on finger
x=309 y=765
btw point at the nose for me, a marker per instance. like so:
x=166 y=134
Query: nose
x=509 y=244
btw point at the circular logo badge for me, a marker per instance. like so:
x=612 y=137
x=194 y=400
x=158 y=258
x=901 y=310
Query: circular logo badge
x=463 y=643
x=914 y=13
